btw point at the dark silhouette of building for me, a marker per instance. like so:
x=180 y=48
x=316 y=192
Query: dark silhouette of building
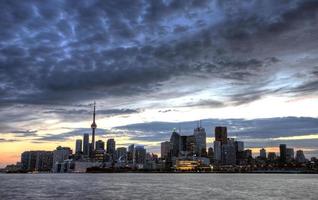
x=37 y=160
x=86 y=146
x=200 y=140
x=140 y=155
x=78 y=146
x=111 y=147
x=131 y=154
x=100 y=145
x=221 y=134
x=175 y=144
x=282 y=151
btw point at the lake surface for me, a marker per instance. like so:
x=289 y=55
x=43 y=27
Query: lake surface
x=158 y=186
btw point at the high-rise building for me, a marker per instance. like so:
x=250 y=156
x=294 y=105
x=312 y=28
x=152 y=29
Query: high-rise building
x=93 y=126
x=131 y=154
x=221 y=134
x=121 y=154
x=37 y=160
x=262 y=153
x=100 y=145
x=183 y=143
x=175 y=144
x=44 y=161
x=210 y=153
x=229 y=153
x=140 y=154
x=191 y=145
x=271 y=156
x=239 y=146
x=165 y=149
x=86 y=145
x=200 y=140
x=217 y=151
x=300 y=157
x=59 y=155
x=111 y=146
x=248 y=153
x=290 y=155
x=78 y=146
x=282 y=151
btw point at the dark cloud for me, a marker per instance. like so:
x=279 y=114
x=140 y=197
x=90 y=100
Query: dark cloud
x=256 y=129
x=90 y=50
x=23 y=133
x=69 y=135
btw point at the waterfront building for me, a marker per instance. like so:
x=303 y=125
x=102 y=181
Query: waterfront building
x=111 y=146
x=37 y=160
x=140 y=154
x=165 y=149
x=78 y=146
x=210 y=153
x=217 y=151
x=262 y=153
x=191 y=145
x=131 y=154
x=100 y=145
x=59 y=155
x=86 y=145
x=175 y=144
x=221 y=134
x=122 y=154
x=239 y=146
x=248 y=153
x=99 y=155
x=300 y=157
x=229 y=153
x=200 y=141
x=282 y=151
x=290 y=155
x=271 y=156
x=187 y=165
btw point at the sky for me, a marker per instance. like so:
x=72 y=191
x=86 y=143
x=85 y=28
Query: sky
x=155 y=65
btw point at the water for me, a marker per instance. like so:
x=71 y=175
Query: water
x=158 y=186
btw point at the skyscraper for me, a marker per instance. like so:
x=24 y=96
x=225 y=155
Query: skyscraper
x=262 y=153
x=300 y=157
x=165 y=149
x=290 y=155
x=100 y=145
x=217 y=151
x=131 y=154
x=200 y=140
x=122 y=154
x=59 y=155
x=78 y=146
x=229 y=153
x=140 y=154
x=221 y=134
x=37 y=160
x=86 y=145
x=175 y=144
x=111 y=146
x=282 y=151
x=93 y=126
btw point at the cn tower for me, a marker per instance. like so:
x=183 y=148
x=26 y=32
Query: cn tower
x=93 y=126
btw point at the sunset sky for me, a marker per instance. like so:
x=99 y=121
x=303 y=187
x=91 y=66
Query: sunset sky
x=152 y=66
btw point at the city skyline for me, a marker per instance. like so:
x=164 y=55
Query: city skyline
x=152 y=66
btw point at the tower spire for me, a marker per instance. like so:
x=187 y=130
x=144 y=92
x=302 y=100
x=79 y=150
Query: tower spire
x=93 y=126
